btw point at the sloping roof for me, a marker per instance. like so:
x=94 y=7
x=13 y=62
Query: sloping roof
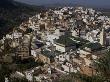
x=48 y=53
x=68 y=40
x=93 y=46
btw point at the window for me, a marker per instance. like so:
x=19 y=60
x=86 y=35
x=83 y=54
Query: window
x=44 y=60
x=60 y=56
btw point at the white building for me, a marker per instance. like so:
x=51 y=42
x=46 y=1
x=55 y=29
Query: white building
x=6 y=80
x=60 y=48
x=62 y=57
x=16 y=35
x=102 y=37
x=29 y=75
x=92 y=36
x=9 y=36
x=17 y=74
x=34 y=53
x=74 y=33
x=51 y=38
x=68 y=67
x=88 y=62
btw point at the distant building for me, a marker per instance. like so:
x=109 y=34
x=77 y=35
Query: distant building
x=17 y=74
x=46 y=56
x=29 y=75
x=23 y=51
x=67 y=67
x=34 y=53
x=60 y=58
x=6 y=80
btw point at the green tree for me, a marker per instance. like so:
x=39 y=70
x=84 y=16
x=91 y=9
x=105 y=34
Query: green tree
x=103 y=65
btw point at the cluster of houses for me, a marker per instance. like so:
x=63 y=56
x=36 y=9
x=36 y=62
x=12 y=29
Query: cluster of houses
x=65 y=39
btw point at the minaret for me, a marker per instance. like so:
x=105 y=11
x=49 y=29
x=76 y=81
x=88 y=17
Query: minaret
x=102 y=37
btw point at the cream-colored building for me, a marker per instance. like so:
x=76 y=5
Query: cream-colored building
x=44 y=58
x=102 y=37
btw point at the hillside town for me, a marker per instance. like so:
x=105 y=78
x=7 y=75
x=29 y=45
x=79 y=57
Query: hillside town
x=61 y=41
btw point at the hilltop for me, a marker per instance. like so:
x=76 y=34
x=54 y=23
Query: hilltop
x=13 y=13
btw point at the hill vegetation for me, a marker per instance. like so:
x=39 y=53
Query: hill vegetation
x=12 y=14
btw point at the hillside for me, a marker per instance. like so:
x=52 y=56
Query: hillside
x=13 y=13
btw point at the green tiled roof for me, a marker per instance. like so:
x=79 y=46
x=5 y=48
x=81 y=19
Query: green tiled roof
x=70 y=40
x=93 y=46
x=48 y=53
x=66 y=41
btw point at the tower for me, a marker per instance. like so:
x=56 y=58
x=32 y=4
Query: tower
x=102 y=37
